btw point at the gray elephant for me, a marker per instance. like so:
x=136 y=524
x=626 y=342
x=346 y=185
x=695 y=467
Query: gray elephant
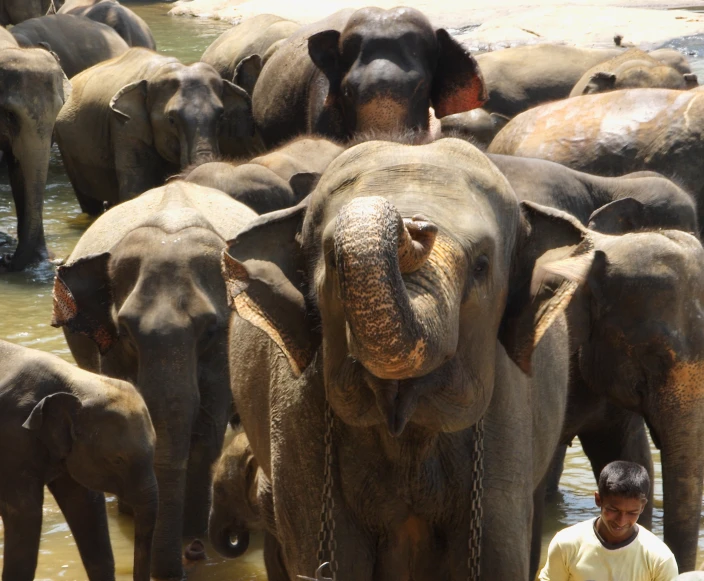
x=79 y=42
x=77 y=433
x=364 y=70
x=520 y=78
x=26 y=127
x=239 y=53
x=133 y=121
x=400 y=296
x=148 y=305
x=477 y=126
x=130 y=26
x=617 y=133
x=632 y=70
x=16 y=11
x=306 y=154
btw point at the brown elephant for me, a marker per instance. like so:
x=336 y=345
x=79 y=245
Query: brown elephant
x=364 y=70
x=133 y=121
x=146 y=303
x=79 y=434
x=16 y=11
x=33 y=88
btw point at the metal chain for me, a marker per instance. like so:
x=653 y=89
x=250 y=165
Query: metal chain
x=475 y=510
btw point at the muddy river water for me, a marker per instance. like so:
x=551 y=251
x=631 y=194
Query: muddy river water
x=25 y=312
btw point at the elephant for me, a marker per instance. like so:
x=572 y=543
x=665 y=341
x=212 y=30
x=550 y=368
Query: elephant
x=616 y=133
x=520 y=78
x=79 y=42
x=374 y=325
x=242 y=499
x=611 y=205
x=147 y=304
x=360 y=71
x=133 y=121
x=254 y=185
x=16 y=11
x=26 y=126
x=131 y=27
x=477 y=126
x=632 y=70
x=239 y=53
x=79 y=434
x=304 y=154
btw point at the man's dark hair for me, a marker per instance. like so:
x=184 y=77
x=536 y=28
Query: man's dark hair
x=626 y=479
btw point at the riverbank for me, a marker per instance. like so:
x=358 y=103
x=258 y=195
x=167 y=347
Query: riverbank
x=645 y=23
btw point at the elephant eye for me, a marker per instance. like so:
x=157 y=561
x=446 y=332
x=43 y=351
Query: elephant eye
x=481 y=267
x=11 y=119
x=172 y=120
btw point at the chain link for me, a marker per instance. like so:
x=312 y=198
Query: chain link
x=326 y=536
x=475 y=510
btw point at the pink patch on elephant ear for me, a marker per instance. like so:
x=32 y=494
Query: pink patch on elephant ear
x=468 y=94
x=65 y=307
x=235 y=276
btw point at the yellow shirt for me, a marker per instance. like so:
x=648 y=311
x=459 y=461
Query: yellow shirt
x=576 y=554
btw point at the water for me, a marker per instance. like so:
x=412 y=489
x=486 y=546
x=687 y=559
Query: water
x=25 y=299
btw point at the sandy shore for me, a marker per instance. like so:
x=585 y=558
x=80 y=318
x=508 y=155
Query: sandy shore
x=646 y=23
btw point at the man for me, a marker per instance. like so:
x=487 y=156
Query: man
x=612 y=547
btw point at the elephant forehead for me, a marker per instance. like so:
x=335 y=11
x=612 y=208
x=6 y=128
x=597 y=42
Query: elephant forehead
x=382 y=23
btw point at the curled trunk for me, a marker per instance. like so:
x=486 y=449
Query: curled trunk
x=400 y=289
x=221 y=533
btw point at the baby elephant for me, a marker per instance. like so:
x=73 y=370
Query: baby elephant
x=241 y=499
x=77 y=433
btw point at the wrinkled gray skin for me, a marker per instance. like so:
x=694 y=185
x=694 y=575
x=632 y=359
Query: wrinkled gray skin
x=304 y=154
x=632 y=70
x=641 y=200
x=33 y=89
x=610 y=133
x=477 y=126
x=242 y=499
x=364 y=70
x=130 y=26
x=133 y=121
x=147 y=291
x=413 y=341
x=79 y=42
x=16 y=11
x=520 y=78
x=77 y=433
x=616 y=133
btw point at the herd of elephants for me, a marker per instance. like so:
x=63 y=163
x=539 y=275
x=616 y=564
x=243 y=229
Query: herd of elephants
x=406 y=275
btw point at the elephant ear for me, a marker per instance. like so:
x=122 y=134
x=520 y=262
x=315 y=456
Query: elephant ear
x=324 y=51
x=619 y=216
x=600 y=82
x=53 y=419
x=129 y=105
x=690 y=80
x=247 y=72
x=303 y=183
x=83 y=300
x=554 y=256
x=237 y=118
x=458 y=84
x=265 y=286
x=66 y=87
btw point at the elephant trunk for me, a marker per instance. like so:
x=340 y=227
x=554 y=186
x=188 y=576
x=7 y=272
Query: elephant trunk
x=199 y=143
x=399 y=288
x=145 y=513
x=221 y=531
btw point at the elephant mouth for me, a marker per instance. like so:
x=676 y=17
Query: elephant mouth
x=396 y=401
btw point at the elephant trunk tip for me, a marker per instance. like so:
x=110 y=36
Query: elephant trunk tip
x=222 y=541
x=416 y=237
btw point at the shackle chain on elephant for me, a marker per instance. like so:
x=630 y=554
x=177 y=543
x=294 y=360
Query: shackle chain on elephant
x=476 y=513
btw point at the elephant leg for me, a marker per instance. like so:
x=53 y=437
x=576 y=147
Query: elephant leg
x=273 y=559
x=623 y=438
x=552 y=483
x=537 y=532
x=138 y=169
x=21 y=511
x=86 y=516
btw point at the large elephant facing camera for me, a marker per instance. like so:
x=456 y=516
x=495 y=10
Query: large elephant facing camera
x=144 y=301
x=402 y=291
x=369 y=70
x=133 y=121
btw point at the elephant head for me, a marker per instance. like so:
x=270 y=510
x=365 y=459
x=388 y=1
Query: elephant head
x=184 y=112
x=411 y=262
x=33 y=88
x=638 y=75
x=386 y=68
x=641 y=345
x=235 y=511
x=106 y=443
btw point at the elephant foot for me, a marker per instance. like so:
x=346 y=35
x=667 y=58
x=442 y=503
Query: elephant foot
x=195 y=551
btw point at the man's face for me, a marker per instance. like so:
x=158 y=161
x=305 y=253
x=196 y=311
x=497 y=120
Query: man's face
x=618 y=516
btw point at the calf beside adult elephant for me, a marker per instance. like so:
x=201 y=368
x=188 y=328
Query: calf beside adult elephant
x=79 y=42
x=145 y=301
x=26 y=127
x=364 y=70
x=332 y=297
x=133 y=121
x=78 y=433
x=133 y=30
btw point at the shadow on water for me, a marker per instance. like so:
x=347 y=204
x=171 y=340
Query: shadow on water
x=25 y=300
